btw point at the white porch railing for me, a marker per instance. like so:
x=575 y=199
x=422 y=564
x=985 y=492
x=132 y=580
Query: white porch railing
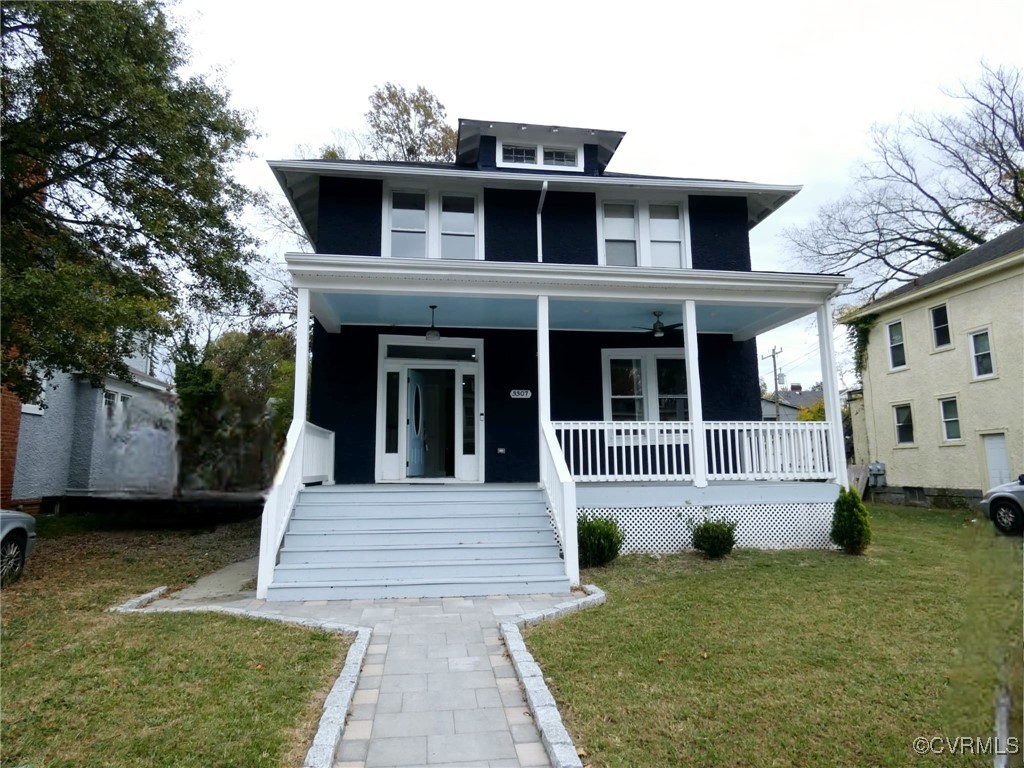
x=626 y=450
x=308 y=458
x=560 y=494
x=610 y=451
x=769 y=450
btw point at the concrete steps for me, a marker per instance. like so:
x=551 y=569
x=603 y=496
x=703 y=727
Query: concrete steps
x=418 y=541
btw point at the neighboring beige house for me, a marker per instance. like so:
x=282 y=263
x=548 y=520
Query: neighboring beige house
x=943 y=378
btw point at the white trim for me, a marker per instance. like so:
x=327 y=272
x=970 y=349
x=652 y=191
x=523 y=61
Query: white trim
x=830 y=390
x=539 y=148
x=300 y=405
x=385 y=471
x=698 y=453
x=649 y=357
x=433 y=196
x=642 y=227
x=32 y=409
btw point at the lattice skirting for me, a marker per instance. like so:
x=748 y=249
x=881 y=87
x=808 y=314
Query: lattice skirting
x=759 y=526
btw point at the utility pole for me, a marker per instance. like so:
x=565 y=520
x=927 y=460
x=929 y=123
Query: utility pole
x=775 y=377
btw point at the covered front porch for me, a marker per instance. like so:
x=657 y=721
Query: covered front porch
x=553 y=374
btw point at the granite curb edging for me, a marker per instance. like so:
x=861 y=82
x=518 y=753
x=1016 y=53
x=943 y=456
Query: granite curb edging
x=557 y=742
x=332 y=722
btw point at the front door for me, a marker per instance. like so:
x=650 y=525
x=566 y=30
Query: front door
x=415 y=440
x=430 y=410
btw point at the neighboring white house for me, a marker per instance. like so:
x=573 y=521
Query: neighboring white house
x=943 y=378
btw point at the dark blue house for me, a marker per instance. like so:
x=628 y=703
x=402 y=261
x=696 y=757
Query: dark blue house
x=503 y=342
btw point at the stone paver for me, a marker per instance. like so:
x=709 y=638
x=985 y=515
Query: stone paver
x=436 y=688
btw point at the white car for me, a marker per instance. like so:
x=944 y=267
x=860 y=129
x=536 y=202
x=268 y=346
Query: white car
x=17 y=539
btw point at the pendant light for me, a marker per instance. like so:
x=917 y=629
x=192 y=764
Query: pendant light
x=433 y=334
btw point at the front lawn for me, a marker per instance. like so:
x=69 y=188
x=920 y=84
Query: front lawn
x=81 y=686
x=798 y=658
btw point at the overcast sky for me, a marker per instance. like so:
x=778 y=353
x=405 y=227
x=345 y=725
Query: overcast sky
x=781 y=92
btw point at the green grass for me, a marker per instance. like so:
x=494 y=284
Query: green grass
x=797 y=658
x=81 y=686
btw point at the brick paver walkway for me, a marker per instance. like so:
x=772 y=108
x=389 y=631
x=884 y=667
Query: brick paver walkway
x=436 y=688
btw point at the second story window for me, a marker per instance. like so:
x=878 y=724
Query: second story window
x=981 y=354
x=408 y=225
x=897 y=352
x=620 y=234
x=940 y=326
x=431 y=225
x=666 y=236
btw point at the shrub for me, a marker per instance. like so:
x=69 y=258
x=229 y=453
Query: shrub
x=851 y=523
x=599 y=540
x=715 y=538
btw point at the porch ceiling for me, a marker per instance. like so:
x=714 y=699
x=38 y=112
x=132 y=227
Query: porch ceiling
x=739 y=320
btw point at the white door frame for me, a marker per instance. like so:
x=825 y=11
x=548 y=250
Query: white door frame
x=390 y=468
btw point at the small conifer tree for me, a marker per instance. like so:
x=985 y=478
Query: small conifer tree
x=851 y=523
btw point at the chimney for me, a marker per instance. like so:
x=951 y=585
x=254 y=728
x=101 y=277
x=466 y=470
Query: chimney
x=795 y=388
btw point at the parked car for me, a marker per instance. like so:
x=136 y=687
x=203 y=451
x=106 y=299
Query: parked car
x=1004 y=506
x=17 y=539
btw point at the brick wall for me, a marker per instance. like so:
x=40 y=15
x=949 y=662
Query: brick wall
x=10 y=421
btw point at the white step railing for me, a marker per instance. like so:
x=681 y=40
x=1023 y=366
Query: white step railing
x=308 y=458
x=560 y=495
x=769 y=450
x=626 y=450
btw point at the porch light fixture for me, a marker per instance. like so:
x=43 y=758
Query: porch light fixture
x=433 y=334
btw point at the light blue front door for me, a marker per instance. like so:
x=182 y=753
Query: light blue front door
x=415 y=441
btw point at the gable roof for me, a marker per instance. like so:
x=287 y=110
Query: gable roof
x=1004 y=245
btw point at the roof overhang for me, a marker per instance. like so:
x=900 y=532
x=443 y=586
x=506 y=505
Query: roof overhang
x=300 y=180
x=368 y=290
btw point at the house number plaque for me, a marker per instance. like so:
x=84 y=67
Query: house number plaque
x=521 y=394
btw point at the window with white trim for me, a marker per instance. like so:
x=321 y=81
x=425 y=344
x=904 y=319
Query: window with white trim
x=940 y=326
x=644 y=385
x=904 y=424
x=897 y=350
x=432 y=225
x=115 y=403
x=538 y=154
x=981 y=354
x=950 y=414
x=644 y=233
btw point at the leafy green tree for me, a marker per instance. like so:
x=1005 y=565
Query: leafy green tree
x=117 y=209
x=813 y=412
x=937 y=186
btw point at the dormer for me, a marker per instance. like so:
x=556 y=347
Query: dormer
x=485 y=144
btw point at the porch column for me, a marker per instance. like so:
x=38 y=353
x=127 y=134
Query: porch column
x=543 y=361
x=698 y=455
x=301 y=357
x=830 y=390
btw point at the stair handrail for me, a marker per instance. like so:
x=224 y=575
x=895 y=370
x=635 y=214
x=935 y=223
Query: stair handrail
x=308 y=456
x=560 y=494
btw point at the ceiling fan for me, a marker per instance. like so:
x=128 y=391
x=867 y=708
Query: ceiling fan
x=659 y=328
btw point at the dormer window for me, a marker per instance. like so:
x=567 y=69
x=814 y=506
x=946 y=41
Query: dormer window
x=537 y=155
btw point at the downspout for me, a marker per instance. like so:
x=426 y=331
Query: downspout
x=540 y=234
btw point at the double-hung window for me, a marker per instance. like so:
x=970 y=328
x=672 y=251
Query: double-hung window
x=643 y=233
x=981 y=354
x=904 y=424
x=897 y=351
x=940 y=326
x=431 y=225
x=645 y=385
x=950 y=418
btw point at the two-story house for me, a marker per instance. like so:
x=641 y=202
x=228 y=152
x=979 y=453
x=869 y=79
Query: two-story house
x=507 y=341
x=943 y=378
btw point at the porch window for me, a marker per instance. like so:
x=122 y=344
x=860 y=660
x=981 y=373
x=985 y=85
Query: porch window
x=940 y=326
x=620 y=234
x=897 y=351
x=408 y=225
x=904 y=424
x=645 y=385
x=981 y=354
x=950 y=419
